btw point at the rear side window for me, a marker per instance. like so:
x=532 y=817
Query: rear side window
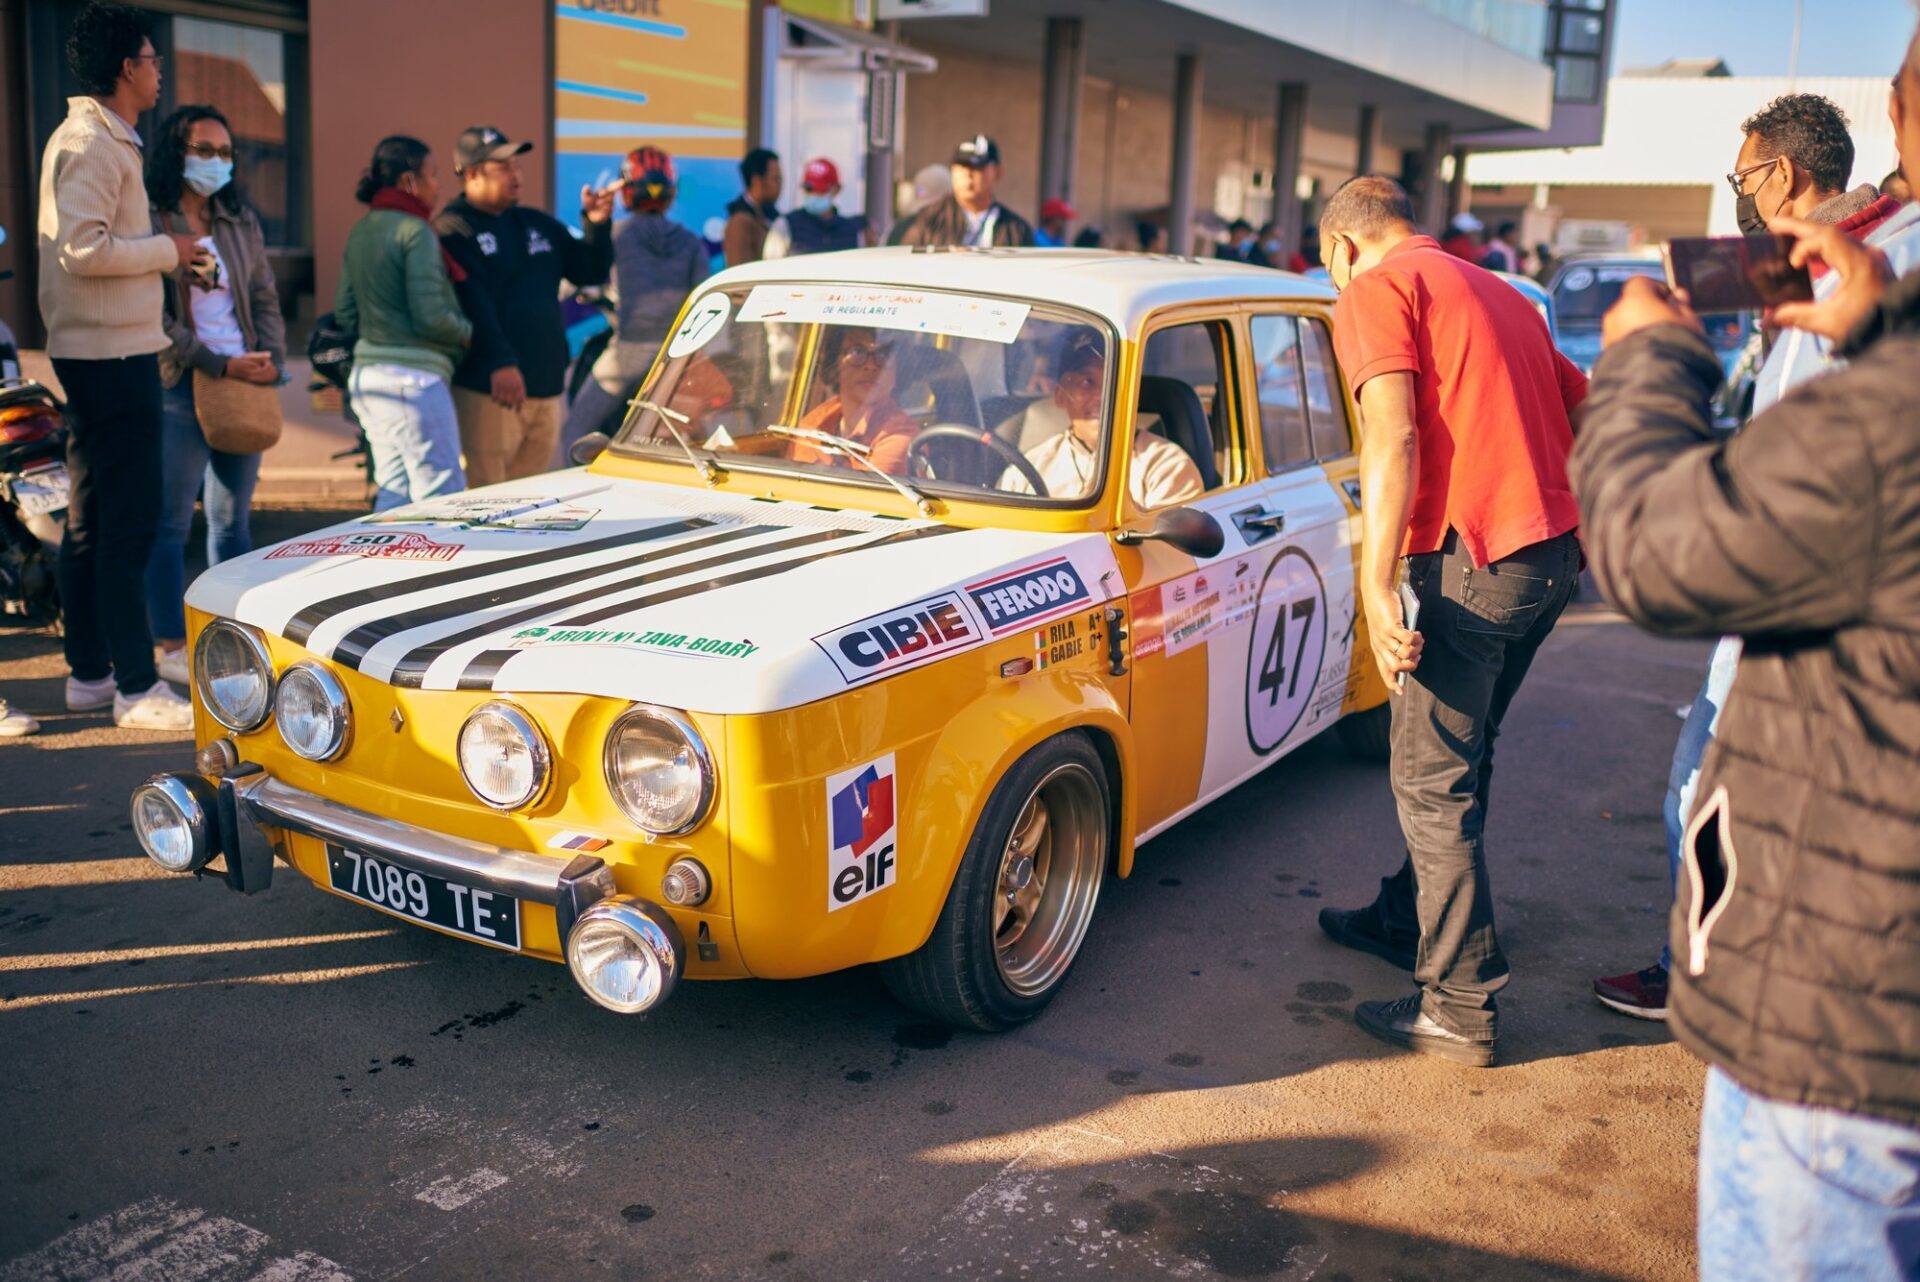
x=1326 y=403
x=1280 y=391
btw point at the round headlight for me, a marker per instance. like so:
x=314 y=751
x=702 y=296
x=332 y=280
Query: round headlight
x=234 y=675
x=172 y=822
x=626 y=954
x=311 y=709
x=659 y=770
x=503 y=756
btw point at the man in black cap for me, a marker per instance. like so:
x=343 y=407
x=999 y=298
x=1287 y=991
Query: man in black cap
x=970 y=215
x=507 y=391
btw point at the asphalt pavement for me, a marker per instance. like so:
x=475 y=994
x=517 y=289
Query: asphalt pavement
x=197 y=1085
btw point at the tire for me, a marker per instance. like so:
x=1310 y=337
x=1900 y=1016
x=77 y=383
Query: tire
x=1368 y=735
x=1000 y=952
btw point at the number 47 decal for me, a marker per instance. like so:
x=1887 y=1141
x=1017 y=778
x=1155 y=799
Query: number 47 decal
x=1273 y=670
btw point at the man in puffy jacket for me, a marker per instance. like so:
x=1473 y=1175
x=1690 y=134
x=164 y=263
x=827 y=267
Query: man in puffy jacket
x=1796 y=930
x=971 y=214
x=656 y=263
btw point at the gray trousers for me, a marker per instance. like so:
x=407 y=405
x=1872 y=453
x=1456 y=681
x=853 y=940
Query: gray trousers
x=1482 y=626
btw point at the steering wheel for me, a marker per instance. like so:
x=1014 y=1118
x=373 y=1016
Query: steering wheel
x=1013 y=458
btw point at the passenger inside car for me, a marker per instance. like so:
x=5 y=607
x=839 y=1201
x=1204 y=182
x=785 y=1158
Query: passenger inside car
x=857 y=365
x=1161 y=472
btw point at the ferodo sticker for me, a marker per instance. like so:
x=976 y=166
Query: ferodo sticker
x=392 y=547
x=862 y=836
x=896 y=640
x=1009 y=602
x=1289 y=646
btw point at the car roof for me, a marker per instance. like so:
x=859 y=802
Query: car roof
x=1121 y=287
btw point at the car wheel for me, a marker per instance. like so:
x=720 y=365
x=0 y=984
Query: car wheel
x=1023 y=898
x=1368 y=735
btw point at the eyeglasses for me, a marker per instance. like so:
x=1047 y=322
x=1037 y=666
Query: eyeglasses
x=874 y=355
x=207 y=151
x=158 y=59
x=1737 y=179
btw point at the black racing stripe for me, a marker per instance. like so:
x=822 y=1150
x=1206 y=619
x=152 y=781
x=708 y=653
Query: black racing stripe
x=352 y=649
x=485 y=666
x=412 y=668
x=301 y=626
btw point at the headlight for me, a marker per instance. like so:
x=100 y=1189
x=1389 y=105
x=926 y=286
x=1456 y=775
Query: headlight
x=659 y=770
x=626 y=954
x=311 y=709
x=503 y=756
x=173 y=820
x=234 y=675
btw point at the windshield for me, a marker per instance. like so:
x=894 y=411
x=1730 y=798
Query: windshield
x=950 y=393
x=1583 y=293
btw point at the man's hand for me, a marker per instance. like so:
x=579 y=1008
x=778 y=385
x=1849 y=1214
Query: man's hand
x=509 y=389
x=253 y=367
x=597 y=206
x=1863 y=277
x=1645 y=303
x=1396 y=650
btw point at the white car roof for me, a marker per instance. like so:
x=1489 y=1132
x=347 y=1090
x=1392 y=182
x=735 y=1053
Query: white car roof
x=1121 y=287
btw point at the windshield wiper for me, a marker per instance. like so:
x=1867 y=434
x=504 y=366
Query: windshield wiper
x=710 y=472
x=858 y=453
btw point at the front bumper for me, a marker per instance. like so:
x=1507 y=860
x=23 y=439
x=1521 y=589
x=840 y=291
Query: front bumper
x=238 y=811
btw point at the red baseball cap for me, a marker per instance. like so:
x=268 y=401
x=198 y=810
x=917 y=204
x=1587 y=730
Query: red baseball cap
x=1055 y=207
x=819 y=176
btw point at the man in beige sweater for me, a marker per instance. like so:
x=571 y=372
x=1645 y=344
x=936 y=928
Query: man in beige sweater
x=101 y=273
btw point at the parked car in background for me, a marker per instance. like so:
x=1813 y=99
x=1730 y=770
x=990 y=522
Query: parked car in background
x=1584 y=287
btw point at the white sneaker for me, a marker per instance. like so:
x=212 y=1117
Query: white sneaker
x=90 y=696
x=158 y=709
x=15 y=724
x=172 y=666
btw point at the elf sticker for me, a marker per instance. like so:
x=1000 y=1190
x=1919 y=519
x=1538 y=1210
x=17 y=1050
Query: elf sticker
x=392 y=547
x=862 y=835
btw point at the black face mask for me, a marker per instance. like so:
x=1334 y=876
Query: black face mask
x=1746 y=212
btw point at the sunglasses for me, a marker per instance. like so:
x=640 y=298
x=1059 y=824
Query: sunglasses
x=207 y=151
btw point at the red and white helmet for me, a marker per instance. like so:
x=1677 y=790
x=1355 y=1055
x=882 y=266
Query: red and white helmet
x=647 y=181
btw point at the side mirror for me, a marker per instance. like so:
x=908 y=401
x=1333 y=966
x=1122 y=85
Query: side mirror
x=1192 y=531
x=588 y=448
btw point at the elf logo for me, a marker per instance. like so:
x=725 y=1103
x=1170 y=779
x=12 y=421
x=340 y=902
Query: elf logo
x=862 y=840
x=1026 y=597
x=899 y=639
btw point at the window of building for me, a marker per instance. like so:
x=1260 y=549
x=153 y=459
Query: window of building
x=1577 y=49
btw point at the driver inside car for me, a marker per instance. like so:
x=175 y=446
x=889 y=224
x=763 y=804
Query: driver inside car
x=1161 y=474
x=857 y=364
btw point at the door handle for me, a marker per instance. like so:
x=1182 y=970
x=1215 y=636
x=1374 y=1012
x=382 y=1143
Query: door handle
x=1256 y=523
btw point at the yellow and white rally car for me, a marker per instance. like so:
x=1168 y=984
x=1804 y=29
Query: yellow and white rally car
x=917 y=590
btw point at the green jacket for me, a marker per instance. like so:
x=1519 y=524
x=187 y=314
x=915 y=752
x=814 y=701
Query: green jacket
x=395 y=292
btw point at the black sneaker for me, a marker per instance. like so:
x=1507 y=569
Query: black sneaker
x=1357 y=928
x=1404 y=1024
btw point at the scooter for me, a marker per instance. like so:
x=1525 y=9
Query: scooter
x=33 y=500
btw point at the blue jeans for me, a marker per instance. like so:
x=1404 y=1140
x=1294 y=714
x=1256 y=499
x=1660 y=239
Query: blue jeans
x=189 y=469
x=1798 y=1194
x=412 y=430
x=1683 y=779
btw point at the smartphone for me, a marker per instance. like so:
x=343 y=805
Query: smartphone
x=1410 y=619
x=1736 y=273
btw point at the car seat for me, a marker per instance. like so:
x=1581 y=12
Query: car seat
x=1182 y=420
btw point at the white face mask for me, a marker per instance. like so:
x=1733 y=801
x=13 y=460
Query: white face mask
x=207 y=176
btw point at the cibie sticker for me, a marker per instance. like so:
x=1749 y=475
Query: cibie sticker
x=862 y=833
x=707 y=318
x=1025 y=597
x=883 y=644
x=1289 y=646
x=393 y=547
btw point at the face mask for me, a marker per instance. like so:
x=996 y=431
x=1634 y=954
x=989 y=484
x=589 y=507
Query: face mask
x=1746 y=212
x=207 y=176
x=819 y=206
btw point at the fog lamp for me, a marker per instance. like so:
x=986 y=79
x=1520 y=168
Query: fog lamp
x=626 y=954
x=173 y=821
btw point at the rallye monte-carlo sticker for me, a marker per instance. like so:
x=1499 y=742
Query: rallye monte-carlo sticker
x=406 y=546
x=521 y=512
x=862 y=832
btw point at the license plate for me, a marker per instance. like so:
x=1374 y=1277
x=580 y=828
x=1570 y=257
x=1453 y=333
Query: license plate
x=464 y=910
x=42 y=490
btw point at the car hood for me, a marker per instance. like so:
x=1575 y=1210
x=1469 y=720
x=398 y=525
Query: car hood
x=571 y=582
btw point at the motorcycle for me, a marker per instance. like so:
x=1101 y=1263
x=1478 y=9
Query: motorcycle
x=33 y=501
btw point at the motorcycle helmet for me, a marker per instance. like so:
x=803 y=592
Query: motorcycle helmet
x=646 y=180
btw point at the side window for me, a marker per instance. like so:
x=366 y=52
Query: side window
x=1326 y=404
x=1281 y=392
x=1185 y=396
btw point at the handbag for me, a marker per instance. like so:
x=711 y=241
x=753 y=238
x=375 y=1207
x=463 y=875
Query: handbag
x=236 y=417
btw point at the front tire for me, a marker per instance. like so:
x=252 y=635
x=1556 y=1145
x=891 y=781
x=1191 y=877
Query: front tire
x=1024 y=896
x=1368 y=735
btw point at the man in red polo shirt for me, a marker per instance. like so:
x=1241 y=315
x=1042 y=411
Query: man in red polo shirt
x=1466 y=429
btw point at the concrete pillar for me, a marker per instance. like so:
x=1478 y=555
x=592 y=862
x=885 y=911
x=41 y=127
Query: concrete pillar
x=1432 y=201
x=1186 y=153
x=1369 y=135
x=1459 y=196
x=883 y=127
x=1063 y=75
x=1289 y=140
